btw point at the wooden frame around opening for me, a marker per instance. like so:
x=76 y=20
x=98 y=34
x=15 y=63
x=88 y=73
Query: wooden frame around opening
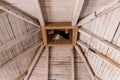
x=60 y=27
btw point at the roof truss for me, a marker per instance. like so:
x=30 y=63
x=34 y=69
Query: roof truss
x=77 y=11
x=39 y=12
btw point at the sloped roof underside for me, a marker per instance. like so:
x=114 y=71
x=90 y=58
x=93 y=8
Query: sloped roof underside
x=58 y=10
x=95 y=57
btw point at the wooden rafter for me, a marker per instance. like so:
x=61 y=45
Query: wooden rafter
x=39 y=13
x=99 y=12
x=82 y=44
x=73 y=65
x=33 y=63
x=19 y=39
x=21 y=55
x=11 y=10
x=77 y=11
x=47 y=62
x=100 y=40
x=21 y=77
x=85 y=62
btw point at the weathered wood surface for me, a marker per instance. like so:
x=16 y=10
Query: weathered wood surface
x=102 y=36
x=41 y=70
x=19 y=41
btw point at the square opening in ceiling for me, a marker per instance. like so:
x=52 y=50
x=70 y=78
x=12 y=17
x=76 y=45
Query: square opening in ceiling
x=54 y=35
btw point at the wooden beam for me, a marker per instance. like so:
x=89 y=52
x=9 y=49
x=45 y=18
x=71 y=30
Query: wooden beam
x=115 y=4
x=100 y=12
x=85 y=62
x=73 y=65
x=13 y=11
x=47 y=63
x=77 y=11
x=87 y=19
x=34 y=62
x=19 y=39
x=21 y=77
x=39 y=13
x=107 y=59
x=21 y=55
x=100 y=40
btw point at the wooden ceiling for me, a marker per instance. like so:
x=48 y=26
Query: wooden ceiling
x=58 y=10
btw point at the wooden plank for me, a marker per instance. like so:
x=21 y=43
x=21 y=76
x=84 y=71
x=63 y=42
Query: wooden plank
x=73 y=65
x=100 y=40
x=77 y=11
x=19 y=39
x=47 y=62
x=39 y=13
x=113 y=24
x=87 y=19
x=33 y=63
x=21 y=55
x=81 y=43
x=13 y=11
x=108 y=8
x=85 y=61
x=100 y=12
x=21 y=77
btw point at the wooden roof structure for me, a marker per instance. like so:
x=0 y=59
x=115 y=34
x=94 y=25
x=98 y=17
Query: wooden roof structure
x=59 y=40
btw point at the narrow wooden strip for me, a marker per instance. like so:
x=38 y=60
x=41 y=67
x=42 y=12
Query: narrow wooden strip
x=100 y=12
x=81 y=43
x=100 y=40
x=34 y=63
x=87 y=19
x=39 y=13
x=21 y=77
x=77 y=11
x=47 y=63
x=85 y=61
x=108 y=7
x=21 y=55
x=73 y=65
x=19 y=39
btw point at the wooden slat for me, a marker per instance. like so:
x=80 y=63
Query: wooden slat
x=100 y=12
x=82 y=44
x=100 y=40
x=87 y=19
x=39 y=13
x=19 y=39
x=21 y=54
x=11 y=10
x=108 y=7
x=85 y=62
x=47 y=62
x=77 y=11
x=34 y=63
x=73 y=65
x=21 y=77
